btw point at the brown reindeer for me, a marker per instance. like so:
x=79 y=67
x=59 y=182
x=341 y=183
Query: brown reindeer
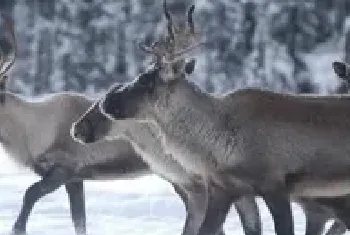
x=221 y=139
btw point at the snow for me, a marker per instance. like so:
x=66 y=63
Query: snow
x=144 y=206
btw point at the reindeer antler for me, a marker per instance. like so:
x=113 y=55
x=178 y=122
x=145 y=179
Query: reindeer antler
x=8 y=48
x=190 y=19
x=176 y=43
x=169 y=21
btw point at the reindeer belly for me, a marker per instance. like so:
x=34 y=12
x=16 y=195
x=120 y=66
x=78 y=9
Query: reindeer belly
x=321 y=188
x=117 y=169
x=294 y=147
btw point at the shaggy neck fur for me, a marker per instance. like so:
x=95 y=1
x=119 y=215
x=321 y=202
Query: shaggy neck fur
x=194 y=129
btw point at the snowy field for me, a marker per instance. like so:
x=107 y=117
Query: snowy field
x=145 y=206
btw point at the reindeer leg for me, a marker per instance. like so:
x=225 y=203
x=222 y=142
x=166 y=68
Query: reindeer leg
x=279 y=206
x=248 y=212
x=183 y=196
x=314 y=225
x=218 y=207
x=76 y=196
x=316 y=217
x=197 y=201
x=52 y=181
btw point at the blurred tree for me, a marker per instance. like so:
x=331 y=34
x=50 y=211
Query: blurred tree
x=87 y=45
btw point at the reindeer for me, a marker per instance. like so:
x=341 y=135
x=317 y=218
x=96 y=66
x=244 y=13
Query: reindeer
x=159 y=84
x=53 y=154
x=249 y=141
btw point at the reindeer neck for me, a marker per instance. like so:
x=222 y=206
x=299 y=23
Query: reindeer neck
x=20 y=111
x=14 y=109
x=182 y=100
x=15 y=118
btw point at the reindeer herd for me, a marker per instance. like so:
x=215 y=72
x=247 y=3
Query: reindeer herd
x=216 y=150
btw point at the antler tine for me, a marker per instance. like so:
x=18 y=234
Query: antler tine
x=187 y=49
x=7 y=47
x=155 y=49
x=169 y=21
x=190 y=19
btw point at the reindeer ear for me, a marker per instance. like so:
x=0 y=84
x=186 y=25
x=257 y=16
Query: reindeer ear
x=190 y=66
x=3 y=82
x=340 y=68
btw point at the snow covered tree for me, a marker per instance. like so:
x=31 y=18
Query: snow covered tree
x=87 y=45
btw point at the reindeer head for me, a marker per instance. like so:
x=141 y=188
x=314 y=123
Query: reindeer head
x=169 y=66
x=7 y=51
x=343 y=72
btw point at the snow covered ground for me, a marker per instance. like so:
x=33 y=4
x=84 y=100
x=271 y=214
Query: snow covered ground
x=145 y=206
